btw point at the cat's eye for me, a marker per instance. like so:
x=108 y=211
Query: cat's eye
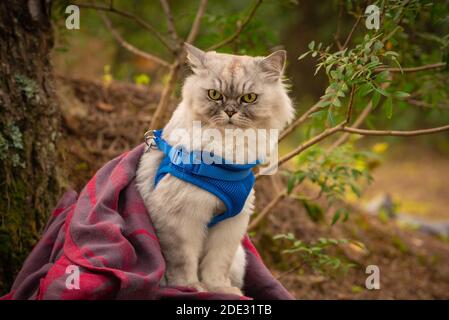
x=214 y=94
x=249 y=98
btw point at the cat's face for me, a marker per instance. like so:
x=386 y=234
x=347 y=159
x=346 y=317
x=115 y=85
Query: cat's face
x=230 y=91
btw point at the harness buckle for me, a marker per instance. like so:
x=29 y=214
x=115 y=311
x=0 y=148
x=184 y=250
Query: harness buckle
x=149 y=140
x=182 y=160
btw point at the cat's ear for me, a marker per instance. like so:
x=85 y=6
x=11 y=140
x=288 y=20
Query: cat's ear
x=196 y=57
x=273 y=65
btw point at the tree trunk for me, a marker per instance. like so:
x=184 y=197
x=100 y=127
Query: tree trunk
x=29 y=131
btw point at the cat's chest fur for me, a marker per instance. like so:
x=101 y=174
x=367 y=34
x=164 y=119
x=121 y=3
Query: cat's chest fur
x=173 y=194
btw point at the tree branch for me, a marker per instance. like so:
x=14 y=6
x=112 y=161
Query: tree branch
x=197 y=22
x=165 y=97
x=356 y=124
x=281 y=195
x=133 y=17
x=337 y=31
x=316 y=107
x=351 y=102
x=129 y=46
x=348 y=130
x=413 y=69
x=341 y=127
x=304 y=146
x=422 y=104
x=395 y=133
x=156 y=121
x=348 y=38
x=240 y=28
x=170 y=23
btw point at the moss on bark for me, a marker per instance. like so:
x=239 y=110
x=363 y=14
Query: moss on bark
x=30 y=180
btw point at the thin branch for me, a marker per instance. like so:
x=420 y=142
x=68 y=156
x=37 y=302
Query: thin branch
x=395 y=133
x=422 y=104
x=351 y=102
x=337 y=32
x=311 y=142
x=362 y=116
x=316 y=107
x=170 y=22
x=318 y=138
x=165 y=97
x=342 y=127
x=197 y=22
x=281 y=195
x=240 y=28
x=304 y=146
x=413 y=69
x=360 y=119
x=348 y=38
x=133 y=17
x=402 y=15
x=129 y=46
x=156 y=121
x=290 y=271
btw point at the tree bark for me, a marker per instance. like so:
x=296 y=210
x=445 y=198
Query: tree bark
x=30 y=180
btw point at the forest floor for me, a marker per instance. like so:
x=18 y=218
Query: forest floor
x=101 y=122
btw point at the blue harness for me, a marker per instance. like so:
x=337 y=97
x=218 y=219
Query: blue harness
x=231 y=183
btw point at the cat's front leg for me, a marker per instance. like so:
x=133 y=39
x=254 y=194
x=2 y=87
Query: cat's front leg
x=181 y=247
x=220 y=250
x=180 y=221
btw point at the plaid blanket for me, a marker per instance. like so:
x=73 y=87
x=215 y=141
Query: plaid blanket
x=106 y=237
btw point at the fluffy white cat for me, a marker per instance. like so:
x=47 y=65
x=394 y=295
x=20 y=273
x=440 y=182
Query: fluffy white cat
x=224 y=92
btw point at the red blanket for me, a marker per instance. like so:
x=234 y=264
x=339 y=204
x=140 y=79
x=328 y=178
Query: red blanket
x=107 y=236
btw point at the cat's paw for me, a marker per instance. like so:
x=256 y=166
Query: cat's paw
x=198 y=286
x=228 y=290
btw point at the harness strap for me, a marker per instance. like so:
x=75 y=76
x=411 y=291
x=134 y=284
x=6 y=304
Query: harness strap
x=231 y=183
x=190 y=162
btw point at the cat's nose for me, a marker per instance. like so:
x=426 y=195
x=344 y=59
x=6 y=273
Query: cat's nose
x=230 y=112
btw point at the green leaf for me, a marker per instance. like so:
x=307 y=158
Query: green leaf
x=336 y=102
x=330 y=118
x=375 y=99
x=336 y=217
x=303 y=55
x=382 y=91
x=341 y=94
x=324 y=103
x=356 y=190
x=346 y=217
x=365 y=89
x=314 y=211
x=312 y=45
x=291 y=184
x=334 y=74
x=391 y=53
x=384 y=76
x=388 y=107
x=401 y=94
x=294 y=180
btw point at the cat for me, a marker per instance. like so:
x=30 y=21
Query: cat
x=224 y=91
